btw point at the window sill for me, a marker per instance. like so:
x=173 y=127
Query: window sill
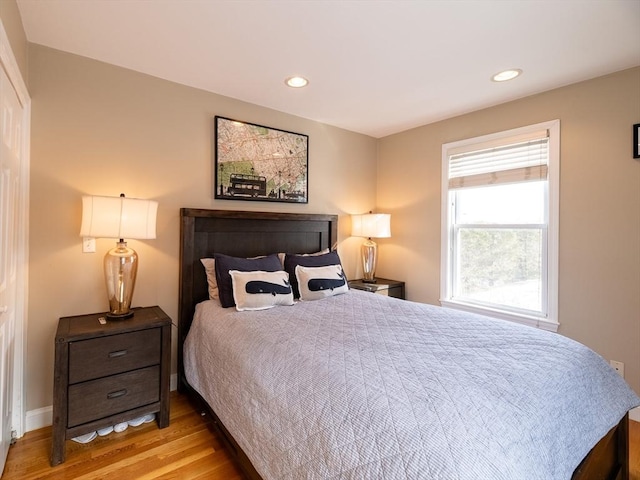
x=528 y=320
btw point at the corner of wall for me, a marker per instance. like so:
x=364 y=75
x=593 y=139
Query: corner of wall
x=12 y=23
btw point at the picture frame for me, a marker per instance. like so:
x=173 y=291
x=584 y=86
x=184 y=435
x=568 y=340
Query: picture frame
x=636 y=140
x=258 y=163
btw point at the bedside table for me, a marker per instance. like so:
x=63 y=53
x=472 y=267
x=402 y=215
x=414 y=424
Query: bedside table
x=109 y=371
x=383 y=286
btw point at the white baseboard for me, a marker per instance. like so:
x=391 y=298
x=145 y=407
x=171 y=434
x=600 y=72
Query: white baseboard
x=635 y=414
x=39 y=418
x=43 y=417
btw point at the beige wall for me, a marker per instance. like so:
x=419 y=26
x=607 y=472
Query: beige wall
x=91 y=121
x=599 y=297
x=12 y=23
x=100 y=129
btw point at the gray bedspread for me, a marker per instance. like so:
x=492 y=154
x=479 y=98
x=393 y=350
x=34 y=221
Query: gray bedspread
x=362 y=386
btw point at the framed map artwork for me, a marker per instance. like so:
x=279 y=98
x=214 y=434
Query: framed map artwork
x=258 y=163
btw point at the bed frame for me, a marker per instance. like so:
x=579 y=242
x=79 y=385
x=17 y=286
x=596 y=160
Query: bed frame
x=241 y=234
x=249 y=234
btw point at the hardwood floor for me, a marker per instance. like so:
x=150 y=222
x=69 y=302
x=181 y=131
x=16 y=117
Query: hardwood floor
x=187 y=449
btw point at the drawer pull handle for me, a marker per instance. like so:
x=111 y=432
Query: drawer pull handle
x=117 y=393
x=118 y=353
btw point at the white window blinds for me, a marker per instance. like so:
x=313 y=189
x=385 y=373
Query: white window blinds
x=525 y=158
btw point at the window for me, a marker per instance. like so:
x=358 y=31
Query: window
x=500 y=225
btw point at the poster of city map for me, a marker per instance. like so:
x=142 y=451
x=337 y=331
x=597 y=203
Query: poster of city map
x=253 y=162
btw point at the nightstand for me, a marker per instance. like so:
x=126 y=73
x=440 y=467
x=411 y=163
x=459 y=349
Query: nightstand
x=383 y=286
x=109 y=371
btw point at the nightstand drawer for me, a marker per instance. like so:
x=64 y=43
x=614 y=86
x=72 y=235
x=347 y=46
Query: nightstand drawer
x=382 y=286
x=103 y=356
x=391 y=292
x=101 y=398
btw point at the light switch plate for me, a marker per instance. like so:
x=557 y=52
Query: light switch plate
x=88 y=245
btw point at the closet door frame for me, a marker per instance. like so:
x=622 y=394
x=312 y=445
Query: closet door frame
x=10 y=65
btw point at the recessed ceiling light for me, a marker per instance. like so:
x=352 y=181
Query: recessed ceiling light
x=506 y=75
x=297 y=82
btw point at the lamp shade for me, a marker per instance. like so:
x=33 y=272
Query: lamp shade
x=118 y=217
x=371 y=225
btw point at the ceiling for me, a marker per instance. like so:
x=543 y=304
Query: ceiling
x=375 y=66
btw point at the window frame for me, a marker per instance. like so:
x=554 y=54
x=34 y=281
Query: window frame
x=550 y=247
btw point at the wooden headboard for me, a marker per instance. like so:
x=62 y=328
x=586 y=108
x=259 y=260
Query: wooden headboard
x=240 y=234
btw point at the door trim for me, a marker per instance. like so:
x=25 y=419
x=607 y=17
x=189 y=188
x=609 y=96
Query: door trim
x=10 y=65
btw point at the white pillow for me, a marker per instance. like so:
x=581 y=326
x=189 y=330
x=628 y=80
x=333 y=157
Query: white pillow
x=259 y=290
x=210 y=269
x=321 y=282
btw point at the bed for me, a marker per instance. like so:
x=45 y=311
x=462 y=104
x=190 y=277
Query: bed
x=266 y=444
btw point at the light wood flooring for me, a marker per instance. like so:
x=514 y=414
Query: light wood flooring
x=187 y=449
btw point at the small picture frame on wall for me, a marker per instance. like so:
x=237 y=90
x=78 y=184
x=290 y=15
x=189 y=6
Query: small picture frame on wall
x=636 y=140
x=258 y=163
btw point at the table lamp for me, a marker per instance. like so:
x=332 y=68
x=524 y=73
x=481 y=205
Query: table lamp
x=120 y=218
x=371 y=225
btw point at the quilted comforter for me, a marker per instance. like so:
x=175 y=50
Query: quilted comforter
x=362 y=386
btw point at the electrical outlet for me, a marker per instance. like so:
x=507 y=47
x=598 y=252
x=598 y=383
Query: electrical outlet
x=618 y=367
x=88 y=245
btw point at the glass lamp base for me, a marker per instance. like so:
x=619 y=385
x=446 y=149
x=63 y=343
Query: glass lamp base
x=369 y=260
x=120 y=268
